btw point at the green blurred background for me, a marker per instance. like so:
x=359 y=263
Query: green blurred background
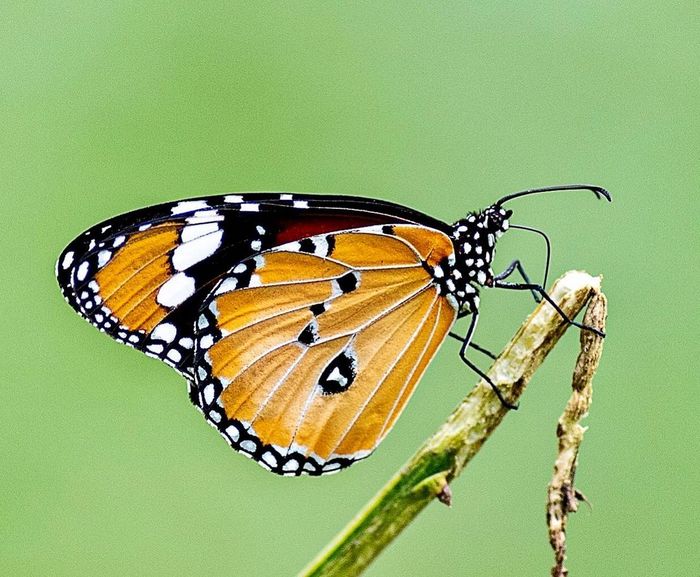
x=106 y=467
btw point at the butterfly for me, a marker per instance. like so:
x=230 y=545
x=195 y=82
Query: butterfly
x=302 y=323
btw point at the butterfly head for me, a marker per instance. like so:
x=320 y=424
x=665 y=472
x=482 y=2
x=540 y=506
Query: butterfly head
x=474 y=238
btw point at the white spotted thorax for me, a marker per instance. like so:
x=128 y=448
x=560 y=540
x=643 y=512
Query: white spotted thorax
x=474 y=238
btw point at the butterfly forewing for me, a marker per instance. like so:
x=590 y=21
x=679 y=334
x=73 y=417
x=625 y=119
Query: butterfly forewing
x=307 y=352
x=141 y=277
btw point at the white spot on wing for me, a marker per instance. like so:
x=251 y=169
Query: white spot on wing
x=206 y=341
x=227 y=285
x=165 y=332
x=250 y=207
x=188 y=205
x=233 y=198
x=201 y=215
x=103 y=258
x=67 y=259
x=248 y=446
x=196 y=250
x=301 y=204
x=254 y=281
x=270 y=459
x=194 y=231
x=82 y=270
x=155 y=348
x=338 y=377
x=232 y=433
x=176 y=290
x=321 y=246
x=204 y=217
x=174 y=355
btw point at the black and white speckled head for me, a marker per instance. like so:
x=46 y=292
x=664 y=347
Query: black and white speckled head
x=474 y=238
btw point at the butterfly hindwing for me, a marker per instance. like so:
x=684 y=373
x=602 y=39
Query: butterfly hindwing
x=141 y=277
x=307 y=353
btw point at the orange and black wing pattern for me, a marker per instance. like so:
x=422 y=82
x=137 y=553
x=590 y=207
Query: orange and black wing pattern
x=306 y=353
x=141 y=277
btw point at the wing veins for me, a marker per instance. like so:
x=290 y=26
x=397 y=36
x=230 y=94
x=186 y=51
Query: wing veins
x=413 y=371
x=384 y=377
x=277 y=385
x=330 y=339
x=84 y=283
x=223 y=321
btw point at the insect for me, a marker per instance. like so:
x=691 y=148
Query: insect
x=302 y=323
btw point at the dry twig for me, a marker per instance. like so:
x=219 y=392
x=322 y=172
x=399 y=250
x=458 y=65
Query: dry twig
x=562 y=496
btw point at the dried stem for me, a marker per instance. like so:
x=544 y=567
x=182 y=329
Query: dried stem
x=442 y=457
x=562 y=496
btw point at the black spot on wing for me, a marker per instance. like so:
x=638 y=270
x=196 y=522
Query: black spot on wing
x=307 y=245
x=317 y=309
x=339 y=374
x=348 y=282
x=309 y=335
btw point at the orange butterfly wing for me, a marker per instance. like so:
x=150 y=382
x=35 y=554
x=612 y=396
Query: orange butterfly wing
x=307 y=353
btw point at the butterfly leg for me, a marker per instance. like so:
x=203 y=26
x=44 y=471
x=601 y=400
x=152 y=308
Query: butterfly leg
x=476 y=347
x=543 y=294
x=466 y=340
x=510 y=269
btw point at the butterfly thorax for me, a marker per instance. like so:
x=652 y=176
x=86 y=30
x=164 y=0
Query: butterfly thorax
x=474 y=238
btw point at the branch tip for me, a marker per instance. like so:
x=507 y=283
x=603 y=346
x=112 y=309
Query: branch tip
x=445 y=495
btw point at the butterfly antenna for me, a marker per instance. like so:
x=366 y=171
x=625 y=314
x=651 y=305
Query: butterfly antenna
x=546 y=241
x=599 y=191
